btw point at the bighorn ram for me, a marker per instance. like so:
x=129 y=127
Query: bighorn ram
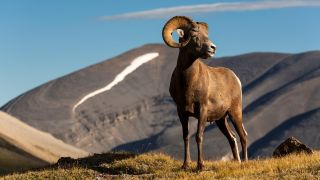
x=206 y=93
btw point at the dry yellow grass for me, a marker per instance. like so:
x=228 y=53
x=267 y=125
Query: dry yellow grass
x=157 y=165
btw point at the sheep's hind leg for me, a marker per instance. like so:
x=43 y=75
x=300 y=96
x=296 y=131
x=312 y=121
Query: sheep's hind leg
x=236 y=117
x=227 y=131
x=185 y=130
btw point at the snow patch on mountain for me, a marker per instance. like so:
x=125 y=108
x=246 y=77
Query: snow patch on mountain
x=137 y=62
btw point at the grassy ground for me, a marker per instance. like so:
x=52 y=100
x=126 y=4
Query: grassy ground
x=156 y=165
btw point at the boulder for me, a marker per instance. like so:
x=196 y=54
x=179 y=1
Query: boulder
x=289 y=146
x=66 y=161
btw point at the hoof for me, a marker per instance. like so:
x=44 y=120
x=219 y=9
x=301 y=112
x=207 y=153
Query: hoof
x=237 y=160
x=185 y=166
x=200 y=167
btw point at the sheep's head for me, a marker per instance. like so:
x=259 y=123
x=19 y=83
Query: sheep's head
x=193 y=36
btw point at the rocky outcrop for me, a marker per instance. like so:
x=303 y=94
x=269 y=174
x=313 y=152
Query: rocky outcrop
x=289 y=146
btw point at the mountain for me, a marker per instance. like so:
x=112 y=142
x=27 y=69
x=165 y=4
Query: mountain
x=303 y=126
x=123 y=103
x=24 y=147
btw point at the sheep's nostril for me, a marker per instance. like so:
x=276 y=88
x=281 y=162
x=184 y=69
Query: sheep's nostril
x=213 y=46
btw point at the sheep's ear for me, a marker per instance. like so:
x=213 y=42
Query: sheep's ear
x=204 y=24
x=180 y=33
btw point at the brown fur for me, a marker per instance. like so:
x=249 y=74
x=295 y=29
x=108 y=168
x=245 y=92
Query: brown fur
x=206 y=93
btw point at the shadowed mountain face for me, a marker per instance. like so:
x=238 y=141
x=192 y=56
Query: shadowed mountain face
x=138 y=114
x=303 y=126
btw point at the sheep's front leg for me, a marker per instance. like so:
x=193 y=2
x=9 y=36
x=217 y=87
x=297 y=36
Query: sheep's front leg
x=185 y=130
x=199 y=137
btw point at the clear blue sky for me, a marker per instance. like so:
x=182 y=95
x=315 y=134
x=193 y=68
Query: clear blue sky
x=42 y=40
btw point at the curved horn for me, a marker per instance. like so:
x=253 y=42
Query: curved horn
x=177 y=22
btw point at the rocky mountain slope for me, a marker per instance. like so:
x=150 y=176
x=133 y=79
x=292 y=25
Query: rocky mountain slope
x=127 y=106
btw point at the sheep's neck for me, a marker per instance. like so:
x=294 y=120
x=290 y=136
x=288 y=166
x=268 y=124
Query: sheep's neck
x=186 y=61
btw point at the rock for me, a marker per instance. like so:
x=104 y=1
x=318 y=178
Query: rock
x=289 y=146
x=66 y=161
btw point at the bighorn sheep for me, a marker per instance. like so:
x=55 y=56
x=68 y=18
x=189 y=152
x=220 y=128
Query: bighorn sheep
x=206 y=93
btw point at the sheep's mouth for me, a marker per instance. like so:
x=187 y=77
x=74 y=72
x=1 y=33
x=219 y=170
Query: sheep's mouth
x=211 y=53
x=208 y=54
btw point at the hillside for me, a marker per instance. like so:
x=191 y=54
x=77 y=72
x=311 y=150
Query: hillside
x=300 y=126
x=24 y=147
x=121 y=105
x=161 y=166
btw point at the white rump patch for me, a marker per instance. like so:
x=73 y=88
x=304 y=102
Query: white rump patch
x=137 y=62
x=239 y=81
